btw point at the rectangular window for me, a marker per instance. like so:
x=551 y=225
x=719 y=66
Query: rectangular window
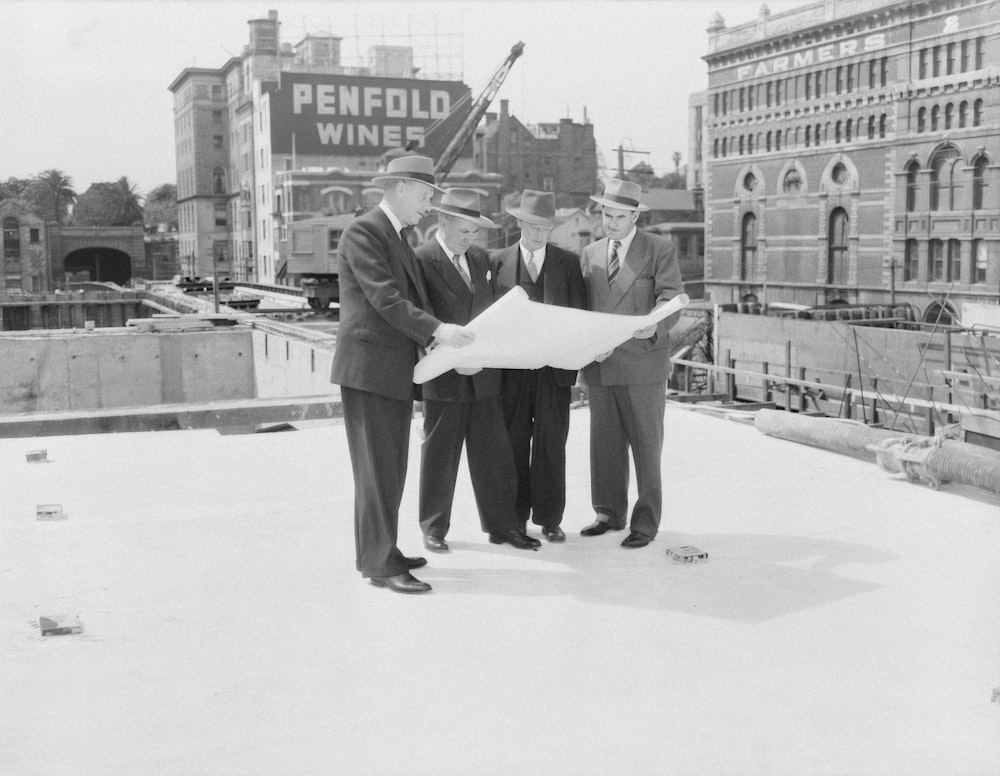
x=872 y=70
x=965 y=56
x=980 y=52
x=217 y=142
x=33 y=235
x=954 y=261
x=923 y=64
x=979 y=257
x=937 y=61
x=217 y=117
x=936 y=260
x=951 y=58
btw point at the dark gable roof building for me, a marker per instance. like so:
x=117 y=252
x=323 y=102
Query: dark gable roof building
x=850 y=154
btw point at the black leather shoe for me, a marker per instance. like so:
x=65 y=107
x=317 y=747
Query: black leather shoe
x=415 y=563
x=553 y=533
x=599 y=527
x=401 y=583
x=516 y=538
x=635 y=539
x=435 y=543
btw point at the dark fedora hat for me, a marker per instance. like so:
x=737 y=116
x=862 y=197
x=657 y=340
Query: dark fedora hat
x=408 y=168
x=537 y=207
x=621 y=194
x=464 y=204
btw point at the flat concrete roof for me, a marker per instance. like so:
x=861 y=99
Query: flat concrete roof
x=846 y=622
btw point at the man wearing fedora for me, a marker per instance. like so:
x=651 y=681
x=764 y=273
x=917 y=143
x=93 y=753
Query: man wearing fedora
x=536 y=401
x=628 y=272
x=385 y=324
x=464 y=409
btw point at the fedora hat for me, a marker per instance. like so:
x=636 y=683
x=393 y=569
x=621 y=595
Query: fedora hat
x=464 y=204
x=408 y=168
x=621 y=194
x=537 y=207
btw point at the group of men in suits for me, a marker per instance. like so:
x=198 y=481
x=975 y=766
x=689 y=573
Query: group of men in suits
x=513 y=423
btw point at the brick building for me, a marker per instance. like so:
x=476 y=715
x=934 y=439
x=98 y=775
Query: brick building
x=557 y=156
x=279 y=118
x=851 y=153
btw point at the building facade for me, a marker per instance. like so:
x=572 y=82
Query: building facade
x=851 y=155
x=275 y=127
x=555 y=156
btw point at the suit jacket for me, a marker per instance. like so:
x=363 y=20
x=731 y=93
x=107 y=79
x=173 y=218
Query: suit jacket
x=384 y=318
x=649 y=273
x=563 y=285
x=454 y=302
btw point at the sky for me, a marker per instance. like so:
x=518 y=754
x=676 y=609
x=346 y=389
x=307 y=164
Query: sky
x=89 y=91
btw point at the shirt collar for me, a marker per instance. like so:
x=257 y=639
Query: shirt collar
x=393 y=218
x=626 y=243
x=526 y=254
x=447 y=251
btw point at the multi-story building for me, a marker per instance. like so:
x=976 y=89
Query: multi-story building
x=286 y=132
x=556 y=156
x=851 y=155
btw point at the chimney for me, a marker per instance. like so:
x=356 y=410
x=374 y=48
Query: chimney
x=503 y=109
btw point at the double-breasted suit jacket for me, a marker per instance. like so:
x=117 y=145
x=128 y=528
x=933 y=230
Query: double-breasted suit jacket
x=536 y=401
x=627 y=390
x=463 y=410
x=384 y=324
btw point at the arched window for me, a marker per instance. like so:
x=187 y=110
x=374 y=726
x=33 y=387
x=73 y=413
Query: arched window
x=808 y=135
x=748 y=247
x=940 y=314
x=922 y=120
x=963 y=114
x=944 y=181
x=881 y=125
x=949 y=114
x=847 y=131
x=871 y=127
x=979 y=183
x=817 y=134
x=912 y=170
x=977 y=113
x=750 y=143
x=911 y=261
x=218 y=181
x=836 y=273
x=723 y=147
x=777 y=140
x=793 y=182
x=935 y=117
x=11 y=239
x=767 y=141
x=715 y=148
x=741 y=145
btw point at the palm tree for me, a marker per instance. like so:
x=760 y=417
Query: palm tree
x=57 y=193
x=125 y=202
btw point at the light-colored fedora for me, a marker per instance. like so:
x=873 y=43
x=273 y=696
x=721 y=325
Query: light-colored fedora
x=408 y=168
x=464 y=204
x=537 y=207
x=621 y=194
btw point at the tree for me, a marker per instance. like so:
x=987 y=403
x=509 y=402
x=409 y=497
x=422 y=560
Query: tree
x=161 y=207
x=643 y=174
x=50 y=194
x=109 y=204
x=13 y=188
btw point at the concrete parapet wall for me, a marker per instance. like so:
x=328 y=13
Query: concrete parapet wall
x=286 y=365
x=54 y=371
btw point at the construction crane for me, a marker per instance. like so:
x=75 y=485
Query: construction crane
x=458 y=141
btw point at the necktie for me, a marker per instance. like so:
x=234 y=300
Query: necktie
x=461 y=271
x=532 y=267
x=613 y=261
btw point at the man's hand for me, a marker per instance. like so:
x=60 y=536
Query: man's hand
x=451 y=334
x=603 y=356
x=646 y=333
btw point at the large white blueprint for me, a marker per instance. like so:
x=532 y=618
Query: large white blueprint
x=516 y=333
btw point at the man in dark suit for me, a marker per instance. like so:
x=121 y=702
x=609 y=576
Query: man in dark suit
x=464 y=409
x=536 y=401
x=628 y=272
x=384 y=326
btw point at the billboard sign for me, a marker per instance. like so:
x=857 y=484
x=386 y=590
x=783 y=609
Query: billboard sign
x=347 y=115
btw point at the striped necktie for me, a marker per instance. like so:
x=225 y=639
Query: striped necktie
x=613 y=261
x=461 y=271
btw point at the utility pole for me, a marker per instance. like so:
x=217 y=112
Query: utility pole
x=621 y=157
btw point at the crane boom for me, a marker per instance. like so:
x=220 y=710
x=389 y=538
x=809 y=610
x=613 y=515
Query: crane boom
x=451 y=152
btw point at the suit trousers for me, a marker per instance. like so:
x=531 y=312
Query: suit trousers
x=378 y=438
x=536 y=411
x=478 y=426
x=624 y=417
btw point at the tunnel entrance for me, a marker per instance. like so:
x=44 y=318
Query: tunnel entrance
x=103 y=265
